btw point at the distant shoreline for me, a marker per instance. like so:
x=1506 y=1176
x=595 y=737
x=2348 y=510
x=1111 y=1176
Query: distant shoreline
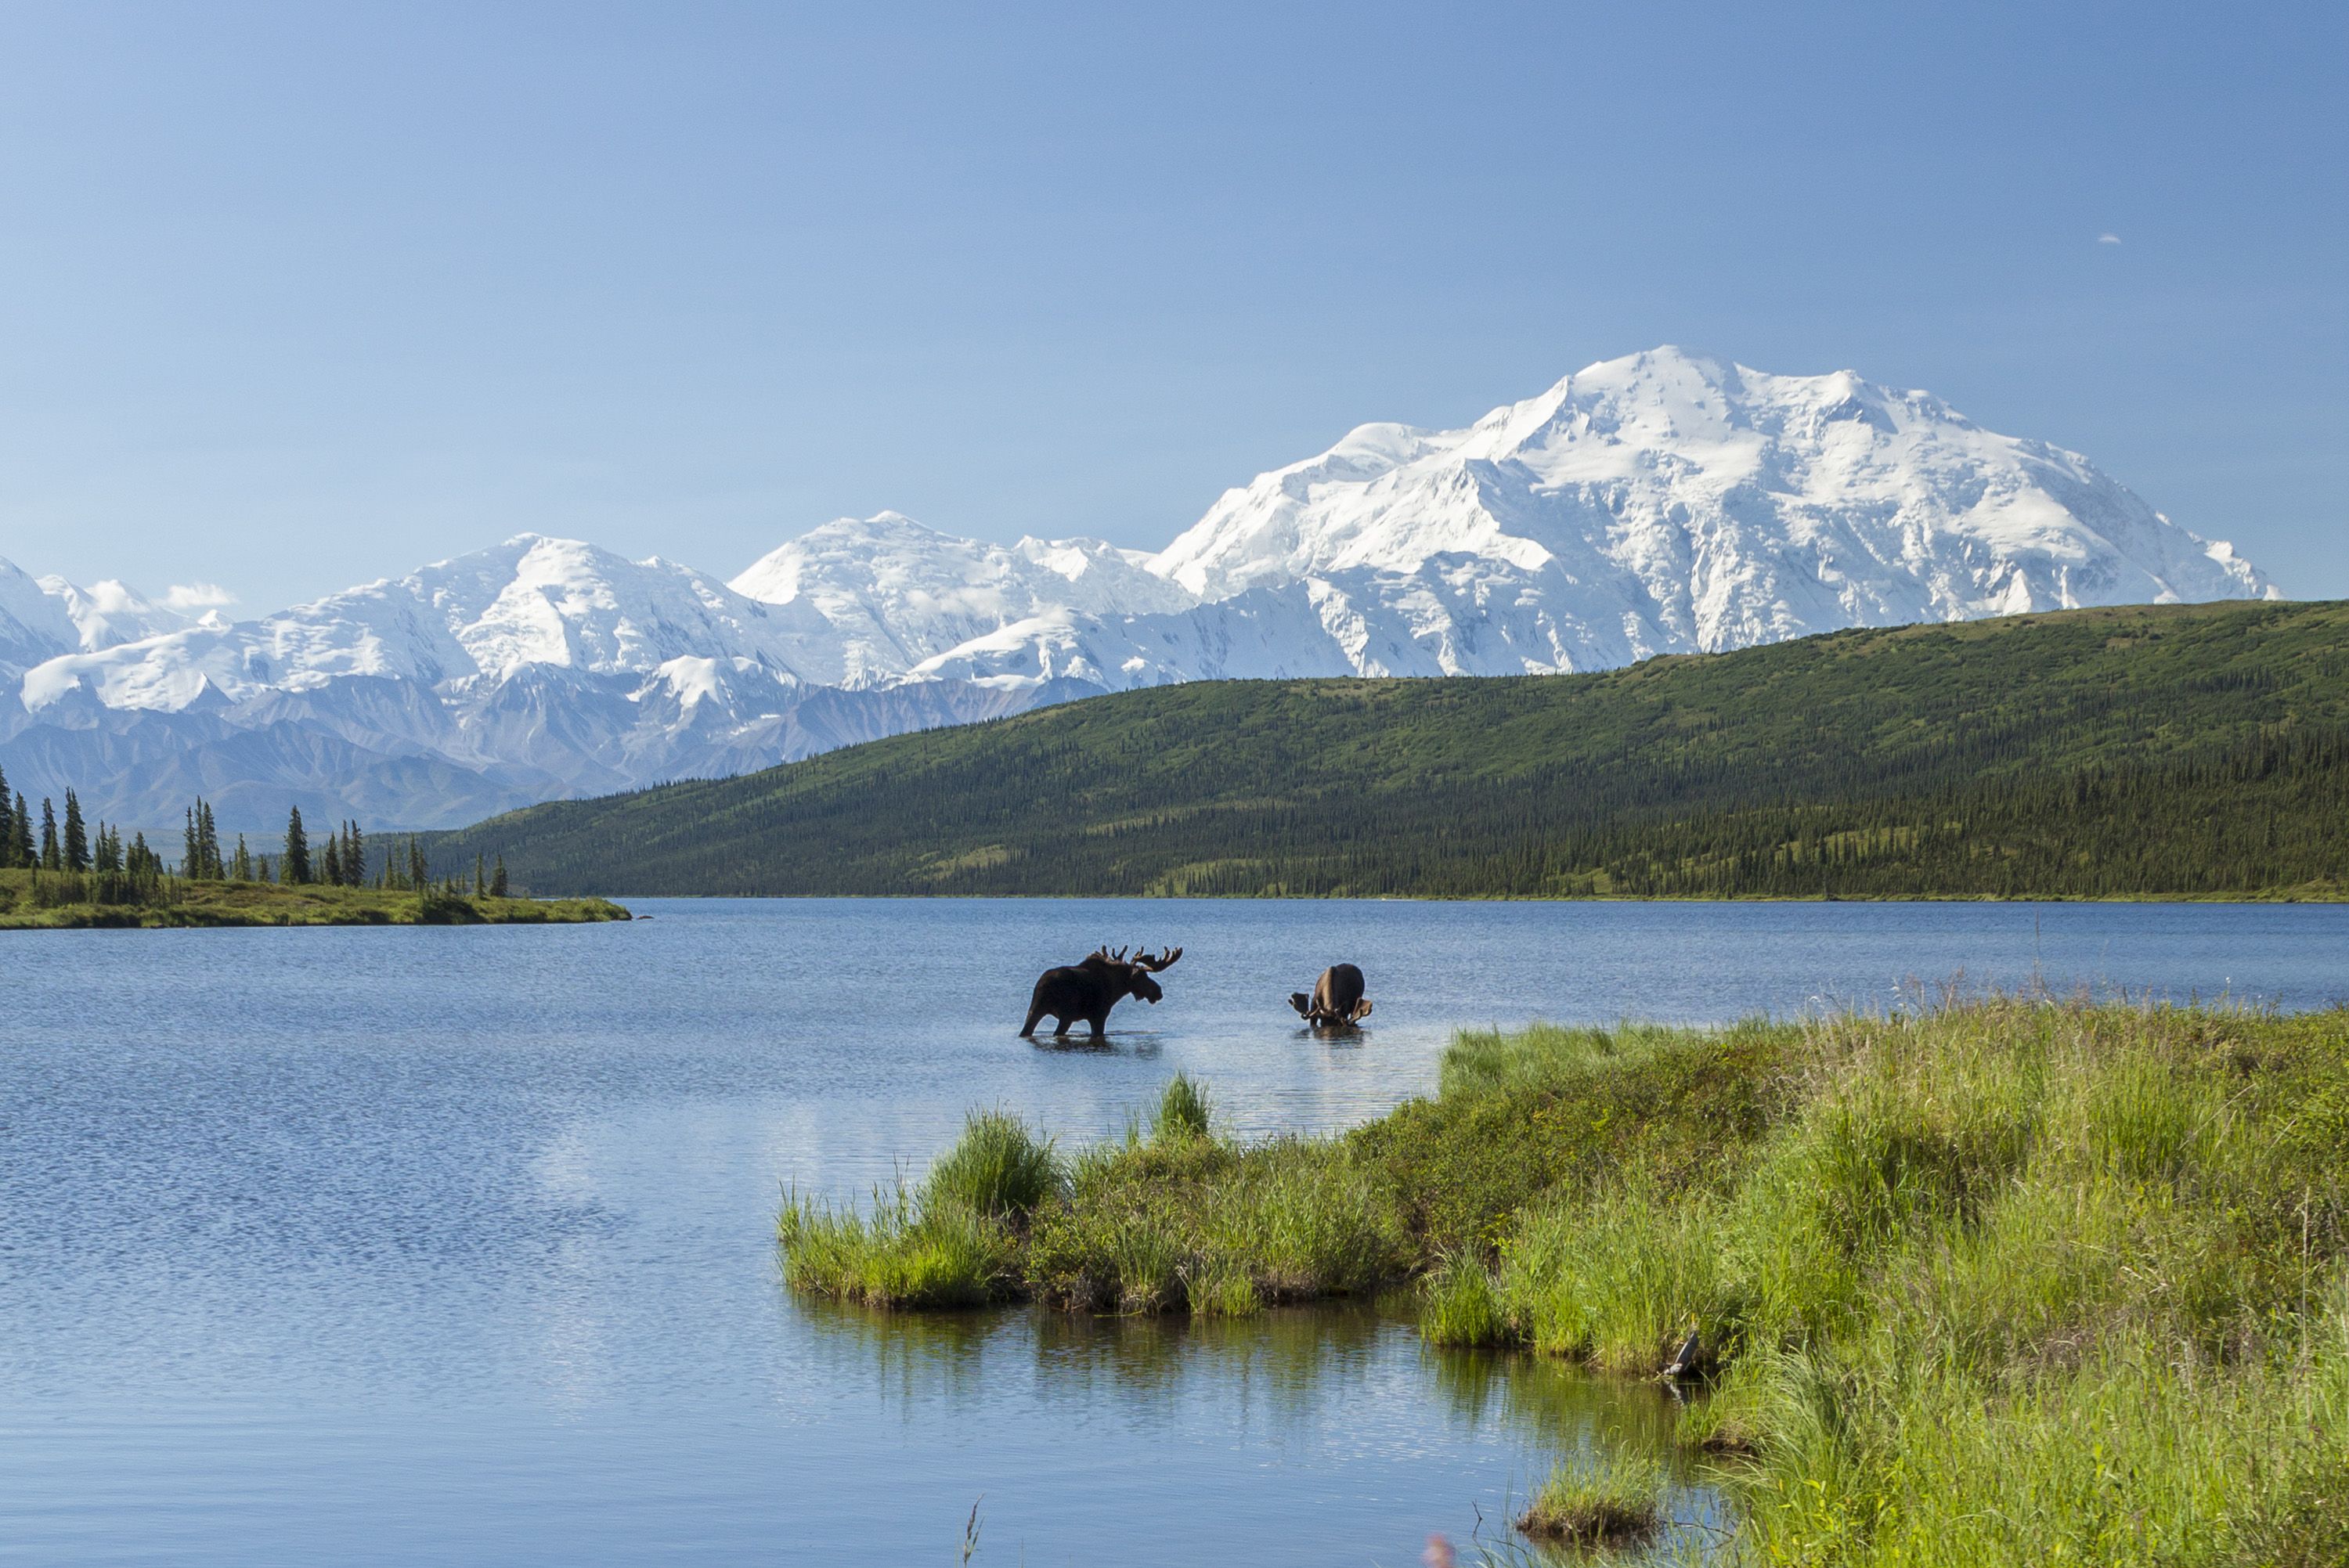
x=48 y=901
x=2312 y=896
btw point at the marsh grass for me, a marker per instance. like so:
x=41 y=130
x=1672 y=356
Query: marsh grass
x=1190 y=1222
x=1184 y=1111
x=908 y=1252
x=2015 y=1280
x=998 y=1169
x=1182 y=1221
x=1460 y=1304
x=1609 y=1497
x=954 y=1241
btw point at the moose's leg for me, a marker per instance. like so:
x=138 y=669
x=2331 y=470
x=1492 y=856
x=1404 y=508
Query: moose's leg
x=1028 y=1029
x=1060 y=1027
x=1100 y=1022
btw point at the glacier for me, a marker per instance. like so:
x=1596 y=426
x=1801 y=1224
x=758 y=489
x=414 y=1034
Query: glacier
x=1665 y=502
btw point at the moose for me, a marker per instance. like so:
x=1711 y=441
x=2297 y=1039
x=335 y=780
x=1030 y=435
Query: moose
x=1089 y=989
x=1337 y=1001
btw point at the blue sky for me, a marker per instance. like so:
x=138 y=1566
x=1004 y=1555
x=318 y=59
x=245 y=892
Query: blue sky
x=292 y=296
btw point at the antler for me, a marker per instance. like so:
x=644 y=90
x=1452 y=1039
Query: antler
x=1146 y=961
x=1104 y=951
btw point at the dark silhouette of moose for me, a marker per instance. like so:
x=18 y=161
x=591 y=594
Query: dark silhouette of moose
x=1088 y=990
x=1337 y=1001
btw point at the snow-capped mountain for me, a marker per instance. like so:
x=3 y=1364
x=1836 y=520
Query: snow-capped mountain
x=895 y=593
x=1661 y=503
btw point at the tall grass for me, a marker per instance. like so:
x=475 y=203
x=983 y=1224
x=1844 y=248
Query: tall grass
x=1460 y=1304
x=1183 y=1109
x=2002 y=1282
x=999 y=1167
x=909 y=1252
x=1216 y=1228
x=1181 y=1221
x=952 y=1242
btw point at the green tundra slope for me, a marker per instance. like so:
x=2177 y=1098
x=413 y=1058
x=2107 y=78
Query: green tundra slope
x=2181 y=751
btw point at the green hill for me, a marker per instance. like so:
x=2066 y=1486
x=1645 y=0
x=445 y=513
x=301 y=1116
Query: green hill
x=2181 y=751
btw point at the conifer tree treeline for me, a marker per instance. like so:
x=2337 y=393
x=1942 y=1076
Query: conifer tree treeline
x=40 y=841
x=118 y=872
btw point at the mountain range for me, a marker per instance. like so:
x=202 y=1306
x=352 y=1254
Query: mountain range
x=1665 y=502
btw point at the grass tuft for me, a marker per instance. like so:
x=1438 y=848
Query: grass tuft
x=997 y=1168
x=1605 y=1499
x=953 y=1242
x=1183 y=1110
x=1460 y=1304
x=907 y=1254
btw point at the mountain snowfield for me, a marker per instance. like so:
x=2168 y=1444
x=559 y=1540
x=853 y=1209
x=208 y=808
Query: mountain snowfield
x=1661 y=503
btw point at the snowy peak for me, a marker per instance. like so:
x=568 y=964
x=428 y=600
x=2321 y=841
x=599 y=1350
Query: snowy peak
x=531 y=602
x=896 y=593
x=561 y=602
x=1696 y=504
x=42 y=618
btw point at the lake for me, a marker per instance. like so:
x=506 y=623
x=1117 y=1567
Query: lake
x=455 y=1245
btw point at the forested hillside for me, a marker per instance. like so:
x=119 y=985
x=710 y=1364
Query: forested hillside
x=2191 y=750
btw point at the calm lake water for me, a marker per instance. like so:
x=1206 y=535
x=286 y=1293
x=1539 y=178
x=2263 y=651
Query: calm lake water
x=455 y=1246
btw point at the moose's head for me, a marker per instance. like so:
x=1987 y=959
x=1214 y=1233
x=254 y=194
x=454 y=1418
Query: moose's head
x=1133 y=973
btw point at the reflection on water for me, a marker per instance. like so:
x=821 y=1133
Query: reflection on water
x=386 y=1247
x=1293 y=1383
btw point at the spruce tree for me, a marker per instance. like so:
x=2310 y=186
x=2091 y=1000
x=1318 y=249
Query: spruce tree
x=330 y=869
x=293 y=866
x=51 y=859
x=498 y=878
x=480 y=874
x=21 y=852
x=191 y=858
x=243 y=871
x=77 y=844
x=420 y=874
x=208 y=852
x=8 y=826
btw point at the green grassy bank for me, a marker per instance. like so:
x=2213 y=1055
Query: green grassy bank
x=2016 y=1282
x=53 y=900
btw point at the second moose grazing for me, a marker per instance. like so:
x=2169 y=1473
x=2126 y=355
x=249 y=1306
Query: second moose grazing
x=1089 y=989
x=1337 y=1001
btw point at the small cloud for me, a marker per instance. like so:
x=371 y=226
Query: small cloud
x=2108 y=239
x=197 y=597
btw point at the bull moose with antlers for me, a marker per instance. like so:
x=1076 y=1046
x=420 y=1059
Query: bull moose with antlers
x=1337 y=1001
x=1089 y=989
